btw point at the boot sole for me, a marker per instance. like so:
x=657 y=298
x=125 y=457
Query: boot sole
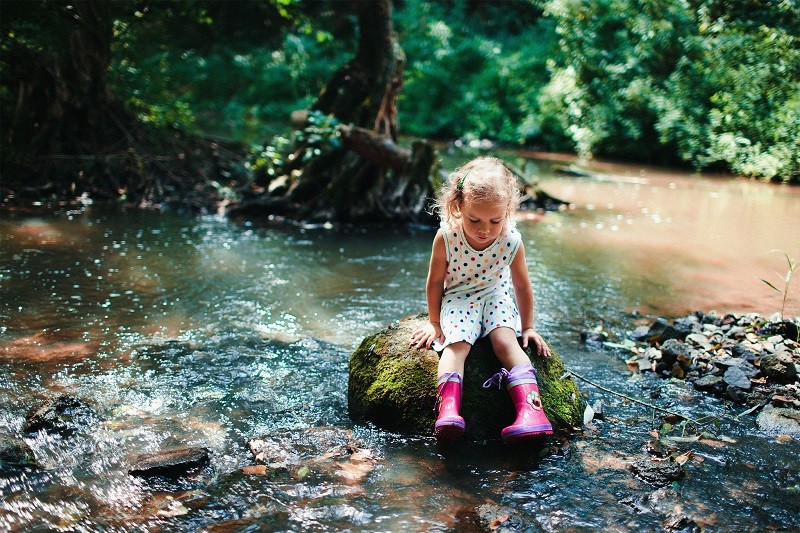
x=449 y=431
x=528 y=434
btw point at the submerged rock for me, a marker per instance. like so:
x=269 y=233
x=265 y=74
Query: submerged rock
x=321 y=452
x=63 y=415
x=394 y=386
x=15 y=454
x=658 y=473
x=170 y=463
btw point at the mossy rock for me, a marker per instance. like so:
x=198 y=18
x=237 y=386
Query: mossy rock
x=394 y=386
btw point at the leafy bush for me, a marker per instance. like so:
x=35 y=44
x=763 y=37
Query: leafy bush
x=712 y=83
x=476 y=73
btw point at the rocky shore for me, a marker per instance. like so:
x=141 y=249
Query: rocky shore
x=748 y=360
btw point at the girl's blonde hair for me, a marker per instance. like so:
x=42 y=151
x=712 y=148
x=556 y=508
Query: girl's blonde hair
x=482 y=179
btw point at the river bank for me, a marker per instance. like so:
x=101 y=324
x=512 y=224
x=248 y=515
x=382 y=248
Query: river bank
x=747 y=360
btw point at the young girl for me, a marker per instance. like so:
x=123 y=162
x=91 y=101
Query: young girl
x=477 y=257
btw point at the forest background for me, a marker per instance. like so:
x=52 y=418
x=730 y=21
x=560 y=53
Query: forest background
x=706 y=84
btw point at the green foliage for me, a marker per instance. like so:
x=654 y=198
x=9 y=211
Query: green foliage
x=615 y=56
x=786 y=278
x=320 y=134
x=476 y=74
x=709 y=82
x=712 y=83
x=737 y=101
x=234 y=84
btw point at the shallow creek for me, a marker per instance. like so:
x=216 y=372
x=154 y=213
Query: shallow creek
x=196 y=331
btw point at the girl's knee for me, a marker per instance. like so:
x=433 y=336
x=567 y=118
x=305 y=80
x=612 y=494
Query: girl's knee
x=460 y=349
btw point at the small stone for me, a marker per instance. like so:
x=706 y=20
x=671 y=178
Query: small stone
x=683 y=524
x=594 y=339
x=598 y=408
x=709 y=384
x=746 y=351
x=672 y=349
x=640 y=333
x=661 y=331
x=727 y=362
x=779 y=368
x=15 y=454
x=735 y=377
x=658 y=473
x=699 y=340
x=735 y=394
x=170 y=463
x=63 y=415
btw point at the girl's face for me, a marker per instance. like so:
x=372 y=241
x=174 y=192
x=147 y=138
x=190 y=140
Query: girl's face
x=483 y=221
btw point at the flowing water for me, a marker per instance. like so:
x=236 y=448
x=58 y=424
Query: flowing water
x=183 y=330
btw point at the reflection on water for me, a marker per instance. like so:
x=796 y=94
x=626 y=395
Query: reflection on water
x=194 y=331
x=706 y=243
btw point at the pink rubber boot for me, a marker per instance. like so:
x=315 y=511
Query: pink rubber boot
x=449 y=424
x=531 y=422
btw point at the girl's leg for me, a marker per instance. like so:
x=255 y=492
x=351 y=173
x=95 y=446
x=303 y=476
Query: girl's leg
x=507 y=348
x=453 y=358
x=449 y=422
x=520 y=378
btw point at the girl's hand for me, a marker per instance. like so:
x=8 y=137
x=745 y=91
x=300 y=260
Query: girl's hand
x=425 y=335
x=530 y=335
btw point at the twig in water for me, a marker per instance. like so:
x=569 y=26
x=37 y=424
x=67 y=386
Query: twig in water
x=631 y=398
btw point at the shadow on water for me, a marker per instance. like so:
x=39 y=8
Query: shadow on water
x=196 y=332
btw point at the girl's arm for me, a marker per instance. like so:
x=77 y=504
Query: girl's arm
x=434 y=289
x=525 y=302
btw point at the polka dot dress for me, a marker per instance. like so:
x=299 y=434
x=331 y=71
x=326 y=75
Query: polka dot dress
x=477 y=289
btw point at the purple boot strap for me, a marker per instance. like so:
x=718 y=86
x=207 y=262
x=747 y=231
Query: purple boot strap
x=498 y=379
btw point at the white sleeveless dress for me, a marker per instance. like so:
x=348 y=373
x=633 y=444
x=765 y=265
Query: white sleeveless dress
x=477 y=289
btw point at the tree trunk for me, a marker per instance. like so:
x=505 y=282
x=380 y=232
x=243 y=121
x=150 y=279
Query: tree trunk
x=64 y=106
x=365 y=175
x=69 y=135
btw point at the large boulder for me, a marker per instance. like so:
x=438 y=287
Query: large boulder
x=394 y=386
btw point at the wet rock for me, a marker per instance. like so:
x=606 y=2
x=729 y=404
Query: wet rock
x=661 y=500
x=779 y=368
x=640 y=333
x=686 y=325
x=63 y=415
x=709 y=383
x=735 y=394
x=658 y=473
x=699 y=340
x=682 y=524
x=661 y=331
x=173 y=463
x=15 y=455
x=672 y=349
x=594 y=339
x=494 y=517
x=727 y=362
x=746 y=351
x=599 y=410
x=322 y=453
x=394 y=386
x=735 y=377
x=784 y=328
x=779 y=421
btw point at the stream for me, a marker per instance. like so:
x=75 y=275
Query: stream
x=183 y=330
